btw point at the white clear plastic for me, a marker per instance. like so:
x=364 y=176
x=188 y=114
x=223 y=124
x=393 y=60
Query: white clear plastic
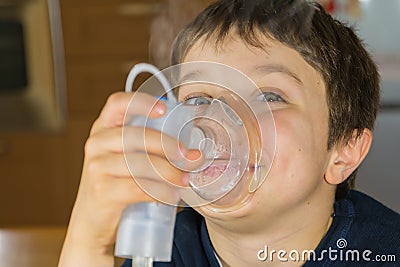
x=145 y=231
x=226 y=129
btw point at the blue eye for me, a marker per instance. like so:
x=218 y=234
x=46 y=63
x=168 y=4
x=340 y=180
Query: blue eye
x=271 y=97
x=198 y=100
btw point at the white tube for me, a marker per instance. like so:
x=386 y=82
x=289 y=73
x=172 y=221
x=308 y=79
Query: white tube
x=145 y=67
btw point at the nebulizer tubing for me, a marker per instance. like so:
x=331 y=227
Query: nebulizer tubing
x=144 y=67
x=145 y=231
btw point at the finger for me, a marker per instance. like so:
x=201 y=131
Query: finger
x=159 y=191
x=126 y=191
x=118 y=191
x=194 y=159
x=154 y=168
x=134 y=139
x=120 y=104
x=136 y=165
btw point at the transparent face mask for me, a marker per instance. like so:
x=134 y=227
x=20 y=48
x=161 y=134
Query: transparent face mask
x=224 y=115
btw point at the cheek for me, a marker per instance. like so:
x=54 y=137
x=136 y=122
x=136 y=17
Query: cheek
x=293 y=147
x=299 y=158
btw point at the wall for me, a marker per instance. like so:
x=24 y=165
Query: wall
x=40 y=171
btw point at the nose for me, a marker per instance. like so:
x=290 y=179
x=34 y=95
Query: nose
x=214 y=129
x=210 y=136
x=220 y=110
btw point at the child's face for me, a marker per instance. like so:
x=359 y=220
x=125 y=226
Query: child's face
x=297 y=98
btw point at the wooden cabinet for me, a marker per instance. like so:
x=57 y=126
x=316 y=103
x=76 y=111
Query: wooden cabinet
x=31 y=247
x=103 y=40
x=109 y=30
x=40 y=172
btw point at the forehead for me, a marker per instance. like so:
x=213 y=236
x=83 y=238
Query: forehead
x=237 y=53
x=273 y=55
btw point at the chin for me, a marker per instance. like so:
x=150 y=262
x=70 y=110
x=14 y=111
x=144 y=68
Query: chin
x=221 y=212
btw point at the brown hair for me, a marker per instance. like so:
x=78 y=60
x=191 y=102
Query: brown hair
x=330 y=46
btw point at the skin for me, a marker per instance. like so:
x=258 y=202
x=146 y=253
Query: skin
x=291 y=210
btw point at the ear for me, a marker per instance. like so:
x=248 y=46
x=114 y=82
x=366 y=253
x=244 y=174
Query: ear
x=346 y=158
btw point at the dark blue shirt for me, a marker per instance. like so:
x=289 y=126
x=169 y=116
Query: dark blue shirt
x=363 y=233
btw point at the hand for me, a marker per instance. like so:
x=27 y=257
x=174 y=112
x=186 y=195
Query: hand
x=107 y=186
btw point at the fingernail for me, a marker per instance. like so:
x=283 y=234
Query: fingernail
x=159 y=108
x=193 y=154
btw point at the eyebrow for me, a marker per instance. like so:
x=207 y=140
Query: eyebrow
x=191 y=76
x=272 y=68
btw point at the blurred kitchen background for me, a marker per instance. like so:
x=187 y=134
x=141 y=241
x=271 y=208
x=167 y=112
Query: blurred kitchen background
x=60 y=59
x=378 y=24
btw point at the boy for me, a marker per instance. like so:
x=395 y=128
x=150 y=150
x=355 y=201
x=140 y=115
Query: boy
x=323 y=90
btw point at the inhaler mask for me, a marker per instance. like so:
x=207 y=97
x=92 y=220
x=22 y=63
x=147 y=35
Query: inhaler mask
x=226 y=118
